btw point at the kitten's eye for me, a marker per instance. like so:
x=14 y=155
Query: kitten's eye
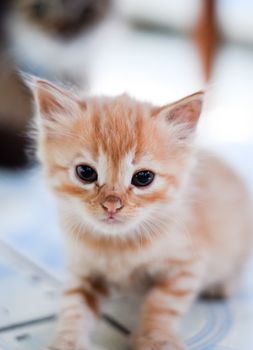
x=86 y=173
x=143 y=178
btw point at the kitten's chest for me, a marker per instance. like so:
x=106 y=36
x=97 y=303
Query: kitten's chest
x=124 y=270
x=128 y=269
x=117 y=268
x=126 y=274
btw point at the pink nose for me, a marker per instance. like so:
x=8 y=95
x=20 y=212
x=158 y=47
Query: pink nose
x=112 y=204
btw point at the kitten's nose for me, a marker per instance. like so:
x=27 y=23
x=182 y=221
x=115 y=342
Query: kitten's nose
x=112 y=204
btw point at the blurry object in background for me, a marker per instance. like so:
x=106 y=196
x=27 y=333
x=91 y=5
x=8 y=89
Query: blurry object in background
x=180 y=15
x=3 y=8
x=15 y=113
x=235 y=20
x=57 y=39
x=64 y=18
x=207 y=36
x=15 y=105
x=210 y=20
x=46 y=38
x=183 y=16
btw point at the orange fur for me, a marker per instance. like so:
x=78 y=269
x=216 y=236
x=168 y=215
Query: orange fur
x=88 y=296
x=168 y=238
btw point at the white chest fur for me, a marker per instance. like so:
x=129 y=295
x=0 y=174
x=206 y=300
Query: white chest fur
x=124 y=269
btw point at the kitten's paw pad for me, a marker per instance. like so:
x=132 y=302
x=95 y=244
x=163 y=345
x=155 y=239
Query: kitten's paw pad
x=146 y=343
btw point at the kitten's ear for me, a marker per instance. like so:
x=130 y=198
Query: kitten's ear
x=185 y=111
x=54 y=104
x=52 y=99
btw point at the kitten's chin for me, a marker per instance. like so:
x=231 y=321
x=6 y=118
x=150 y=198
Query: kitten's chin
x=113 y=227
x=111 y=221
x=110 y=226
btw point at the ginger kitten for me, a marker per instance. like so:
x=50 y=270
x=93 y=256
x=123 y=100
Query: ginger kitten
x=141 y=207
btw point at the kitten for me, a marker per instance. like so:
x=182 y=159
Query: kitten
x=140 y=206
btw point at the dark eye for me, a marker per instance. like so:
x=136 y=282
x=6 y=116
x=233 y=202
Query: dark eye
x=86 y=173
x=143 y=178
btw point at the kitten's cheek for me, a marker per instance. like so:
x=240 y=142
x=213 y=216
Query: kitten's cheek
x=172 y=191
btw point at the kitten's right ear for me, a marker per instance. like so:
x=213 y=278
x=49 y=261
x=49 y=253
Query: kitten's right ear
x=54 y=104
x=185 y=111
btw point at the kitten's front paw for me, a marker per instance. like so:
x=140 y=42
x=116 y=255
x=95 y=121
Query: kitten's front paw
x=157 y=343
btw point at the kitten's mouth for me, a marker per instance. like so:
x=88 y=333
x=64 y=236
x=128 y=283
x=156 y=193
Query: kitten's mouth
x=111 y=219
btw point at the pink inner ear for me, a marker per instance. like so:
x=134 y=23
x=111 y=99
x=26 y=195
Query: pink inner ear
x=53 y=99
x=47 y=103
x=188 y=112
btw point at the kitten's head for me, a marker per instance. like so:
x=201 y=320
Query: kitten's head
x=115 y=164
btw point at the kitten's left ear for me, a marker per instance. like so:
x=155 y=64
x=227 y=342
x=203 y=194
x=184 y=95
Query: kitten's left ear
x=185 y=111
x=52 y=99
x=55 y=105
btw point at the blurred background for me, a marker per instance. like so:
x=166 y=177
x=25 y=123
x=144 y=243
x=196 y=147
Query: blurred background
x=156 y=50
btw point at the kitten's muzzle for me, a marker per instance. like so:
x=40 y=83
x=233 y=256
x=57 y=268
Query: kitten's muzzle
x=112 y=205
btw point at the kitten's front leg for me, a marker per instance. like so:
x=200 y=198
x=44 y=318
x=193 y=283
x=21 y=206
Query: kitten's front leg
x=163 y=310
x=80 y=306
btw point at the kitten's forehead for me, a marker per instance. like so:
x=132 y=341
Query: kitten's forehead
x=118 y=134
x=117 y=127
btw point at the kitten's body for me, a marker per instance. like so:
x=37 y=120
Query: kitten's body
x=201 y=234
x=187 y=232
